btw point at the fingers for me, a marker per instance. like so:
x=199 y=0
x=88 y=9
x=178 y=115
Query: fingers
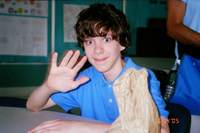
x=73 y=59
x=80 y=64
x=70 y=59
x=66 y=58
x=54 y=60
x=44 y=127
x=80 y=81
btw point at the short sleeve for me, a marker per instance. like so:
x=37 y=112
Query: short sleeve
x=185 y=1
x=154 y=86
x=67 y=100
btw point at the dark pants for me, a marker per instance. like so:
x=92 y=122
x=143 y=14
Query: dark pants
x=179 y=118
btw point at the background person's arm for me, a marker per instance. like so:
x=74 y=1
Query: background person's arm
x=175 y=27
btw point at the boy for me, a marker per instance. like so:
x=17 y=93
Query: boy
x=103 y=32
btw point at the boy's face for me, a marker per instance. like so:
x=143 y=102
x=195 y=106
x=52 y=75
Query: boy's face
x=104 y=53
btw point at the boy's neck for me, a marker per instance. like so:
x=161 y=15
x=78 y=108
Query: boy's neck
x=115 y=71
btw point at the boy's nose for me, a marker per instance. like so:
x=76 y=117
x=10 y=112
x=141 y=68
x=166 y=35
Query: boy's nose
x=98 y=48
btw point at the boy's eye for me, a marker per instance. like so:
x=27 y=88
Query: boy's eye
x=88 y=42
x=107 y=39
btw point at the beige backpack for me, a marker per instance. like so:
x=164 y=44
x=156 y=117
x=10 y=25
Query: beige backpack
x=138 y=112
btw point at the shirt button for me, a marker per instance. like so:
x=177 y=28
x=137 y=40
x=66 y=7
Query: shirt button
x=109 y=86
x=110 y=100
x=194 y=64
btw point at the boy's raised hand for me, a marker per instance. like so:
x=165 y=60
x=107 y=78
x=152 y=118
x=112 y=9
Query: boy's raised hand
x=62 y=77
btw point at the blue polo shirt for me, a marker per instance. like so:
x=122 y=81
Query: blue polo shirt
x=96 y=97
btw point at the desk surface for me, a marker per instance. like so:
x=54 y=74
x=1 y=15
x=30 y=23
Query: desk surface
x=20 y=120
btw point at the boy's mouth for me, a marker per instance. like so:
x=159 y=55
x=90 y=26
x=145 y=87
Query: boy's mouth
x=100 y=59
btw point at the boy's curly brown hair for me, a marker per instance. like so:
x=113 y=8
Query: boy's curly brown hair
x=98 y=20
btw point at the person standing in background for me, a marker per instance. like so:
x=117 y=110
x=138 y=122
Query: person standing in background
x=183 y=24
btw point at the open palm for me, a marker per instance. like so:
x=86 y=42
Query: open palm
x=62 y=77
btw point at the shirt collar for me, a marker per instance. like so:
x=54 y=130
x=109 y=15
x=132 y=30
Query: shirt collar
x=128 y=64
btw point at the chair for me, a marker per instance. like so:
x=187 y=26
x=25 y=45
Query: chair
x=179 y=116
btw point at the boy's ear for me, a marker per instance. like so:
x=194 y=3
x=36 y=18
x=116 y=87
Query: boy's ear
x=122 y=48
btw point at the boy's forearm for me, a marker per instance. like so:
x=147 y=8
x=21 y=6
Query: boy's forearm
x=38 y=98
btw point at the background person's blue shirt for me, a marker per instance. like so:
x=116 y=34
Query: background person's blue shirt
x=96 y=98
x=188 y=79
